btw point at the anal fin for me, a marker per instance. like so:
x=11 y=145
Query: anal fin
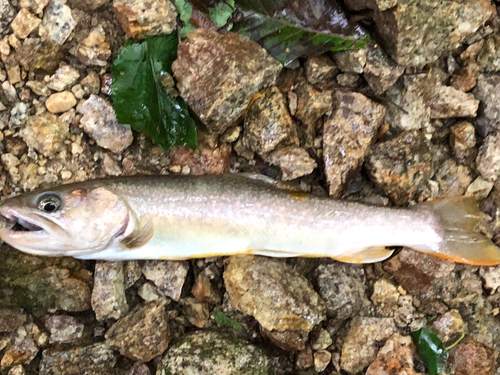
x=368 y=255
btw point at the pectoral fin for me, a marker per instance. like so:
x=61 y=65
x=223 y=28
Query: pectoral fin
x=367 y=255
x=140 y=236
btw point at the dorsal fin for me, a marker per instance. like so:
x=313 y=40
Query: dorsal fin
x=140 y=236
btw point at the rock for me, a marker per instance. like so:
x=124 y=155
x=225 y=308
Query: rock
x=22 y=349
x=488 y=157
x=395 y=357
x=380 y=72
x=410 y=97
x=415 y=271
x=449 y=102
x=204 y=160
x=63 y=328
x=218 y=75
x=385 y=293
x=320 y=70
x=35 y=6
x=322 y=359
x=17 y=370
x=204 y=291
x=197 y=313
x=143 y=18
x=363 y=340
x=231 y=134
x=150 y=292
x=99 y=121
x=95 y=359
x=401 y=166
x=108 y=295
x=210 y=352
x=351 y=61
x=465 y=80
x=36 y=54
x=9 y=91
x=491 y=277
x=57 y=23
x=479 y=188
x=488 y=58
x=342 y=287
x=268 y=123
x=472 y=357
x=291 y=341
x=349 y=80
x=449 y=325
x=453 y=179
x=139 y=368
x=39 y=88
x=60 y=102
x=45 y=133
x=63 y=78
x=9 y=161
x=312 y=103
x=7 y=13
x=24 y=23
x=488 y=117
x=91 y=83
x=416 y=32
x=321 y=340
x=463 y=141
x=293 y=161
x=168 y=276
x=18 y=115
x=347 y=136
x=95 y=49
x=141 y=335
x=277 y=296
x=11 y=320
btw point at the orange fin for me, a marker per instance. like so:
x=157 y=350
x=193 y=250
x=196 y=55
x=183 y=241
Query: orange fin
x=463 y=242
x=139 y=237
x=367 y=255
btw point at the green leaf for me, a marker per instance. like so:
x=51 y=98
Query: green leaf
x=140 y=98
x=222 y=12
x=310 y=27
x=222 y=320
x=185 y=11
x=431 y=350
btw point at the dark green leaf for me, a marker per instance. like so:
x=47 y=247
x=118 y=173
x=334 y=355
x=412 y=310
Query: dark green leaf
x=222 y=320
x=288 y=30
x=431 y=350
x=211 y=15
x=140 y=97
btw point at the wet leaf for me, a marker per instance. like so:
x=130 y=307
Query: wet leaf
x=431 y=350
x=288 y=30
x=144 y=96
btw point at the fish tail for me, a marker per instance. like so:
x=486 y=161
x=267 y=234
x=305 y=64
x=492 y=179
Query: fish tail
x=462 y=242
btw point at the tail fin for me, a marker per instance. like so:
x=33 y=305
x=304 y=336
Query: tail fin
x=459 y=218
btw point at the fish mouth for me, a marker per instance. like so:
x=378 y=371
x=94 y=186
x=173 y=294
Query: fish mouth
x=18 y=223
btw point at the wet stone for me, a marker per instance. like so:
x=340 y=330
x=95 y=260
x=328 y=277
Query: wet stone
x=294 y=162
x=395 y=357
x=417 y=32
x=203 y=160
x=211 y=352
x=218 y=75
x=401 y=166
x=342 y=287
x=363 y=340
x=143 y=18
x=24 y=23
x=95 y=49
x=380 y=72
x=347 y=136
x=320 y=70
x=449 y=326
x=99 y=121
x=488 y=117
x=447 y=102
x=351 y=61
x=268 y=123
x=168 y=276
x=45 y=133
x=287 y=340
x=453 y=179
x=108 y=295
x=488 y=157
x=463 y=141
x=273 y=293
x=63 y=328
x=488 y=58
x=60 y=102
x=197 y=313
x=57 y=23
x=143 y=334
x=472 y=357
x=21 y=350
x=95 y=359
x=63 y=78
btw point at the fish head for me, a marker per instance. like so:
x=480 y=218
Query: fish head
x=65 y=221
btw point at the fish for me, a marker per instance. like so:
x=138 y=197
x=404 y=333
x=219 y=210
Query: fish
x=177 y=217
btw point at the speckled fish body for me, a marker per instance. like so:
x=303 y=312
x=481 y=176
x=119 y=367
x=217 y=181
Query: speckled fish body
x=182 y=217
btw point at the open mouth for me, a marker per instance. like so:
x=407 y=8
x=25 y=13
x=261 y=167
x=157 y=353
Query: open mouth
x=19 y=224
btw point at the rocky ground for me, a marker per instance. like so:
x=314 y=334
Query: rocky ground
x=412 y=117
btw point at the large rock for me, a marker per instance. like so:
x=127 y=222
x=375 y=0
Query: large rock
x=472 y=357
x=45 y=133
x=447 y=102
x=488 y=157
x=218 y=75
x=294 y=162
x=168 y=276
x=108 y=295
x=488 y=119
x=380 y=71
x=57 y=23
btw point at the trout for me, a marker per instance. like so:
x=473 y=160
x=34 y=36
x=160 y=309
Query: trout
x=181 y=217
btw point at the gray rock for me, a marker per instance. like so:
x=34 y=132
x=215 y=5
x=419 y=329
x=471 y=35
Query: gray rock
x=294 y=162
x=273 y=293
x=350 y=80
x=63 y=328
x=488 y=119
x=143 y=334
x=209 y=352
x=488 y=58
x=351 y=61
x=132 y=272
x=218 y=75
x=143 y=18
x=168 y=276
x=488 y=157
x=380 y=72
x=95 y=359
x=491 y=277
x=108 y=295
x=63 y=78
x=447 y=102
x=139 y=368
x=342 y=287
x=57 y=23
x=416 y=32
x=347 y=136
x=320 y=71
x=453 y=179
x=99 y=121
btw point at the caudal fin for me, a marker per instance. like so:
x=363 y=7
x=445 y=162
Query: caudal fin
x=463 y=242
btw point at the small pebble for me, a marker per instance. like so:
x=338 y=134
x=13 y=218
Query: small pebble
x=60 y=102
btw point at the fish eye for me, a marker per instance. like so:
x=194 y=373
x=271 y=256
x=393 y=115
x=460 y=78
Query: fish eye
x=49 y=203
